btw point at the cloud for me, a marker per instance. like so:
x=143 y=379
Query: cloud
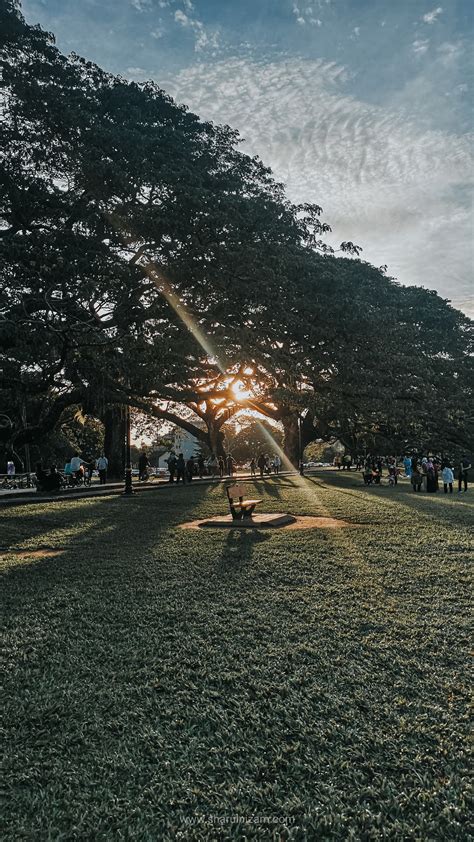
x=449 y=52
x=384 y=180
x=420 y=46
x=136 y=71
x=431 y=17
x=181 y=18
x=307 y=14
x=141 y=5
x=203 y=39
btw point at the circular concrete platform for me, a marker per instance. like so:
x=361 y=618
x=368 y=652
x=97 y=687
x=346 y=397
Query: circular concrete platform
x=269 y=521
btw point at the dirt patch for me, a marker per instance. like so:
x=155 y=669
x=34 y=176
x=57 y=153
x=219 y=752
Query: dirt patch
x=299 y=522
x=31 y=553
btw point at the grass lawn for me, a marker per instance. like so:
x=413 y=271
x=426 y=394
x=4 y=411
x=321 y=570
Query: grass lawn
x=160 y=682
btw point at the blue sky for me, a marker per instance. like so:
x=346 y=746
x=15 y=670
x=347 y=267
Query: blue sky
x=363 y=106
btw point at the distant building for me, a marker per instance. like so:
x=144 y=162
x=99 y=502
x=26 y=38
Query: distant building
x=183 y=442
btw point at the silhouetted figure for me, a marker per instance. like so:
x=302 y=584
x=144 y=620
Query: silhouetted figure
x=172 y=462
x=200 y=466
x=143 y=465
x=464 y=466
x=180 y=469
x=190 y=469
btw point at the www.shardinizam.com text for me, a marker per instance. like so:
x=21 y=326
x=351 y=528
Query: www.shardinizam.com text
x=210 y=819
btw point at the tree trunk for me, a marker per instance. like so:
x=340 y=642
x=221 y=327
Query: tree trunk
x=216 y=439
x=291 y=443
x=114 y=441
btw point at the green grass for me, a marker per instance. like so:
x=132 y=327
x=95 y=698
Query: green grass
x=158 y=678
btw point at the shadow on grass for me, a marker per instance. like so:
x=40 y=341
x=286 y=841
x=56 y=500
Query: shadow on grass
x=238 y=549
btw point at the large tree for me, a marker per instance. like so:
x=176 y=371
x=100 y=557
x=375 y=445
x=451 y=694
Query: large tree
x=147 y=260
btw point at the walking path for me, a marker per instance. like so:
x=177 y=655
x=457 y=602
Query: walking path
x=23 y=496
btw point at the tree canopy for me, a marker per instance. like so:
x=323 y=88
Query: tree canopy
x=146 y=260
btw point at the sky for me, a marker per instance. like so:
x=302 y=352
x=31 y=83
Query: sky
x=362 y=106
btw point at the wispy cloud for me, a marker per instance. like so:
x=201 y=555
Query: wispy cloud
x=203 y=38
x=385 y=182
x=420 y=46
x=307 y=13
x=141 y=5
x=449 y=52
x=136 y=71
x=432 y=16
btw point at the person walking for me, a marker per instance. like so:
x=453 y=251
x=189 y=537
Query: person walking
x=463 y=469
x=277 y=463
x=448 y=478
x=261 y=464
x=424 y=471
x=221 y=465
x=172 y=462
x=201 y=466
x=190 y=469
x=431 y=477
x=230 y=465
x=416 y=479
x=253 y=466
x=143 y=465
x=180 y=469
x=407 y=466
x=102 y=465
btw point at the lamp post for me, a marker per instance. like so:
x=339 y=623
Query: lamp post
x=26 y=446
x=301 y=415
x=128 y=491
x=300 y=444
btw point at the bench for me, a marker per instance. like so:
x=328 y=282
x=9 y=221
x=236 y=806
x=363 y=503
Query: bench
x=239 y=507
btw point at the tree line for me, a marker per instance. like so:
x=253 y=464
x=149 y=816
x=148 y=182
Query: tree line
x=147 y=261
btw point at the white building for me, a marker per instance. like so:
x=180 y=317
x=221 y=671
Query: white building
x=183 y=442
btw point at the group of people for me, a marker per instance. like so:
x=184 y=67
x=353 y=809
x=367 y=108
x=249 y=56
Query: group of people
x=76 y=472
x=425 y=473
x=79 y=472
x=265 y=465
x=219 y=466
x=183 y=470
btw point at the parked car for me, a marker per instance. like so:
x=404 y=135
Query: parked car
x=160 y=472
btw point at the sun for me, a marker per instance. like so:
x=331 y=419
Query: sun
x=240 y=392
